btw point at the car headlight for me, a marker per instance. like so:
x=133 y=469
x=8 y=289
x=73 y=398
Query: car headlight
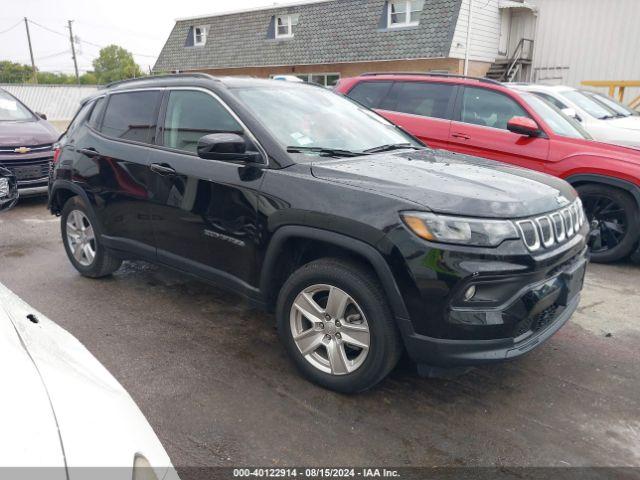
x=142 y=469
x=464 y=231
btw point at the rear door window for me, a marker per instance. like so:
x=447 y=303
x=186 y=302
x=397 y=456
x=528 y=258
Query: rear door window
x=481 y=106
x=132 y=116
x=192 y=115
x=370 y=94
x=427 y=99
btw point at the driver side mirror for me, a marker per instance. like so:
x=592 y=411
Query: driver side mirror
x=524 y=126
x=8 y=189
x=41 y=115
x=570 y=112
x=228 y=147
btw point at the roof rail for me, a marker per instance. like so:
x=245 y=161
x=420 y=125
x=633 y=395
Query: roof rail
x=165 y=75
x=434 y=74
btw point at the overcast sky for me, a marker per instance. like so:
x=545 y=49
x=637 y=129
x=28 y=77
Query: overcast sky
x=140 y=26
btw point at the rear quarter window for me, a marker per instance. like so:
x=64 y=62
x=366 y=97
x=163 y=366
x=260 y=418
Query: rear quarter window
x=96 y=113
x=370 y=94
x=132 y=116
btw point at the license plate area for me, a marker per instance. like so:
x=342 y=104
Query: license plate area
x=573 y=280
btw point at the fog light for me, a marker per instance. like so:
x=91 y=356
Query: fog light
x=469 y=293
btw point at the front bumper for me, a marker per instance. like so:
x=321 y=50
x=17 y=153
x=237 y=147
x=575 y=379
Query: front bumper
x=436 y=352
x=32 y=189
x=535 y=313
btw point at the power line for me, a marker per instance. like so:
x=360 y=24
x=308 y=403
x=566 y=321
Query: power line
x=48 y=29
x=11 y=28
x=52 y=55
x=86 y=41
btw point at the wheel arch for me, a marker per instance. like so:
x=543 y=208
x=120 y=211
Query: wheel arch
x=270 y=282
x=61 y=191
x=591 y=178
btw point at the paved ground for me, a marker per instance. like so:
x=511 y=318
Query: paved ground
x=216 y=386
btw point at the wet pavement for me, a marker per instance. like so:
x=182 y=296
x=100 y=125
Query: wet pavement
x=215 y=384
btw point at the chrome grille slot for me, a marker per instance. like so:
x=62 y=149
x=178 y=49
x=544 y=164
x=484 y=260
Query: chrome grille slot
x=553 y=228
x=558 y=227
x=568 y=222
x=546 y=231
x=529 y=234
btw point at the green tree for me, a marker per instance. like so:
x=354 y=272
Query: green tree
x=50 y=78
x=12 y=72
x=88 y=78
x=115 y=63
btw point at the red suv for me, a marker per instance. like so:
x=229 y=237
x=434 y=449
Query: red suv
x=484 y=118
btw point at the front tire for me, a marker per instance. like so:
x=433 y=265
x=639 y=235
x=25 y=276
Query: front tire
x=335 y=322
x=81 y=239
x=614 y=220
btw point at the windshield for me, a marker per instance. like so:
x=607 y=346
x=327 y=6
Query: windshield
x=560 y=123
x=305 y=118
x=12 y=110
x=589 y=105
x=609 y=102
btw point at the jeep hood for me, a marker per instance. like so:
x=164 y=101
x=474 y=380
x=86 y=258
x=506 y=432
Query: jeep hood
x=446 y=182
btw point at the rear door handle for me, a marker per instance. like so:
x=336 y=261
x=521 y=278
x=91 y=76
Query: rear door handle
x=89 y=152
x=162 y=169
x=461 y=135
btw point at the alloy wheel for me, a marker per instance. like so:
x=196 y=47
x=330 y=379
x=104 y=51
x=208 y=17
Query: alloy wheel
x=330 y=329
x=81 y=238
x=608 y=221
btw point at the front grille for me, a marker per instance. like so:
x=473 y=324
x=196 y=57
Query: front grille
x=537 y=322
x=554 y=228
x=28 y=169
x=23 y=149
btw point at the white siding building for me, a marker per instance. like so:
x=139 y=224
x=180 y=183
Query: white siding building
x=578 y=40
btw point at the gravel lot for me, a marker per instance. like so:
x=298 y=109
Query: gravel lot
x=215 y=384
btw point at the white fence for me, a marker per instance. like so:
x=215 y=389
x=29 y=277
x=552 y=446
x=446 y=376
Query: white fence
x=58 y=102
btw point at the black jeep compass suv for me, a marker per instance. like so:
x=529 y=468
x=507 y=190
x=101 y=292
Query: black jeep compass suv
x=363 y=241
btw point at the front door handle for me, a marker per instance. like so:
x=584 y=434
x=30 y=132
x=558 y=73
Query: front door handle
x=461 y=136
x=89 y=152
x=162 y=169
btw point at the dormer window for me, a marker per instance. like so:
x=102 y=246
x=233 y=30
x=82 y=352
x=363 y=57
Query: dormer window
x=199 y=36
x=404 y=13
x=285 y=24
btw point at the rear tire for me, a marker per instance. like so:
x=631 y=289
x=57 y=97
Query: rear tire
x=348 y=333
x=81 y=239
x=614 y=220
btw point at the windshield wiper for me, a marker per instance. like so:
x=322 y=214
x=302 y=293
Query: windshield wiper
x=609 y=117
x=392 y=146
x=331 y=152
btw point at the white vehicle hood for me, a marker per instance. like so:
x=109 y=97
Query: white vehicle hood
x=628 y=123
x=60 y=406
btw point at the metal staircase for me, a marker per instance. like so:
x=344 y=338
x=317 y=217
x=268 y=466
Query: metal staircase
x=509 y=70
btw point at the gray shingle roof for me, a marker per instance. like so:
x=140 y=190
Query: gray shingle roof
x=339 y=31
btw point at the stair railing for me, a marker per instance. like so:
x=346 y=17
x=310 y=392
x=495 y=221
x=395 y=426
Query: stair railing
x=519 y=54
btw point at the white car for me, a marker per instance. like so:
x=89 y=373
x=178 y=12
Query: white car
x=61 y=409
x=602 y=117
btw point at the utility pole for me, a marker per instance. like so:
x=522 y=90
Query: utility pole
x=33 y=63
x=73 y=51
x=467 y=50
